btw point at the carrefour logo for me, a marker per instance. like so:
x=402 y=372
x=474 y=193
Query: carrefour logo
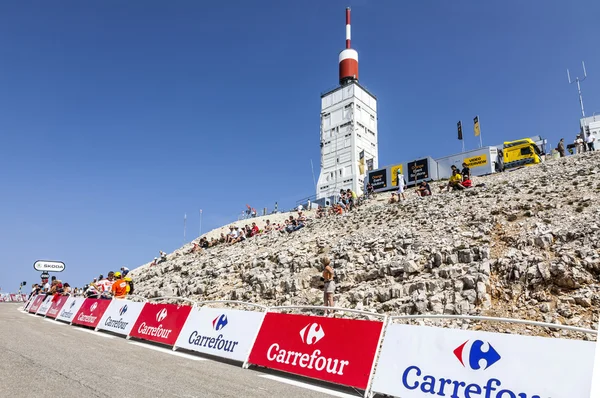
x=475 y=355
x=93 y=307
x=477 y=352
x=160 y=315
x=219 y=322
x=123 y=310
x=312 y=333
x=72 y=304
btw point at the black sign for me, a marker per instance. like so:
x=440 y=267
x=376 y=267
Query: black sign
x=369 y=164
x=418 y=170
x=378 y=179
x=459 y=127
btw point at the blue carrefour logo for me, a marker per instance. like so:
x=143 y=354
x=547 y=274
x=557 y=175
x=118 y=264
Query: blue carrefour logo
x=474 y=354
x=220 y=322
x=123 y=310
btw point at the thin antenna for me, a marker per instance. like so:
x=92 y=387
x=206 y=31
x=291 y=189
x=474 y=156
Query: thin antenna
x=313 y=173
x=348 y=28
x=578 y=81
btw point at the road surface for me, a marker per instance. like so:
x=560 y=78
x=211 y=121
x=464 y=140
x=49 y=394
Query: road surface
x=45 y=358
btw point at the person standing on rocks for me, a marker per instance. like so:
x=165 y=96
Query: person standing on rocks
x=561 y=147
x=400 y=179
x=329 y=288
x=589 y=140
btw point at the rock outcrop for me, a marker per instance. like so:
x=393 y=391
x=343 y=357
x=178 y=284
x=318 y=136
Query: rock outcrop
x=526 y=245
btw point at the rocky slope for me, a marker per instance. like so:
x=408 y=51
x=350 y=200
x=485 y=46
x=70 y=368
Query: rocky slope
x=524 y=246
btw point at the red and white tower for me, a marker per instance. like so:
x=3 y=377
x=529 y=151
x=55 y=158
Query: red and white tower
x=348 y=129
x=348 y=56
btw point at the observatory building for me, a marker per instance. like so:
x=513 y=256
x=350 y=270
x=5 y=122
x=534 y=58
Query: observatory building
x=348 y=129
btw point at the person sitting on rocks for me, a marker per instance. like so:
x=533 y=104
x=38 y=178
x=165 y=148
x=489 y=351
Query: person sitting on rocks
x=213 y=242
x=163 y=256
x=222 y=238
x=320 y=212
x=424 y=189
x=254 y=230
x=370 y=191
x=268 y=227
x=465 y=172
x=204 y=243
x=394 y=198
x=231 y=235
x=195 y=248
x=455 y=182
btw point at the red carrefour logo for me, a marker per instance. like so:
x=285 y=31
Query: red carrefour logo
x=160 y=322
x=318 y=347
x=91 y=312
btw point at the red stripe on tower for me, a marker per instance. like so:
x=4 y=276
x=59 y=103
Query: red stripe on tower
x=349 y=57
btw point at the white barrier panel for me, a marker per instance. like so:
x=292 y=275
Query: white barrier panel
x=221 y=332
x=420 y=361
x=70 y=308
x=120 y=316
x=45 y=306
x=29 y=302
x=596 y=374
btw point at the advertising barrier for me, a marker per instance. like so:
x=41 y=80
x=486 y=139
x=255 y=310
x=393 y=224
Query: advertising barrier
x=37 y=302
x=28 y=303
x=45 y=305
x=91 y=312
x=70 y=308
x=120 y=316
x=57 y=304
x=421 y=361
x=221 y=332
x=160 y=323
x=336 y=350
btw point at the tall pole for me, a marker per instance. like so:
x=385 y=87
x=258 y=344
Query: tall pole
x=578 y=80
x=313 y=173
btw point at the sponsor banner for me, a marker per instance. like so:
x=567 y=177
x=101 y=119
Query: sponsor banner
x=160 y=322
x=221 y=332
x=421 y=361
x=49 y=266
x=476 y=161
x=45 y=305
x=418 y=170
x=91 y=312
x=395 y=174
x=120 y=316
x=70 y=308
x=378 y=179
x=13 y=297
x=29 y=303
x=336 y=350
x=37 y=302
x=57 y=304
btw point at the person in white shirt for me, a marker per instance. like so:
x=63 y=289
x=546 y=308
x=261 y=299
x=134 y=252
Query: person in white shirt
x=400 y=178
x=590 y=142
x=579 y=144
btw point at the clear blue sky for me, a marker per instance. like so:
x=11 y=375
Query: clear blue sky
x=116 y=118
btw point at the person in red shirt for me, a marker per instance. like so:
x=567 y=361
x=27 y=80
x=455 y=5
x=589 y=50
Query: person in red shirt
x=119 y=287
x=255 y=229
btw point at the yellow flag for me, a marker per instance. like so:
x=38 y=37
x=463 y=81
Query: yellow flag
x=476 y=126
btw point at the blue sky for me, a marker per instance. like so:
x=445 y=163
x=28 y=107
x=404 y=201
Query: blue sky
x=116 y=118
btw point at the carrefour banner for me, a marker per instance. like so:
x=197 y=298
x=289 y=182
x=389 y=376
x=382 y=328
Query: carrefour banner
x=221 y=332
x=45 y=305
x=160 y=323
x=336 y=350
x=70 y=308
x=120 y=316
x=36 y=303
x=420 y=361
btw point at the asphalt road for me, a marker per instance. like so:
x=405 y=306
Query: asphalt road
x=46 y=358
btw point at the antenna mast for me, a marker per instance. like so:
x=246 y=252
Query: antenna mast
x=578 y=80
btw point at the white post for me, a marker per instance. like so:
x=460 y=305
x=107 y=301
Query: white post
x=595 y=391
x=184 y=222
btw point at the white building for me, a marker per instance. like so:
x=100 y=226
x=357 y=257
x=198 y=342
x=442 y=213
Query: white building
x=348 y=129
x=591 y=124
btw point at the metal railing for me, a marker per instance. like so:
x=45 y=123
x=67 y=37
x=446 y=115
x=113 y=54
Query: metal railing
x=324 y=308
x=172 y=298
x=238 y=302
x=494 y=319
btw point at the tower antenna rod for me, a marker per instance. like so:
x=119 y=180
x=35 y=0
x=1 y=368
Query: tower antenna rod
x=578 y=81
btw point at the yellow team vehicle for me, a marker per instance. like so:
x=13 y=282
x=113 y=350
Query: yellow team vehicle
x=523 y=152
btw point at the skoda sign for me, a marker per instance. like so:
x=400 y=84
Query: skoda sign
x=49 y=266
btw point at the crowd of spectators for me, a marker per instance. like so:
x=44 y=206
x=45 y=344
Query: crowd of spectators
x=116 y=285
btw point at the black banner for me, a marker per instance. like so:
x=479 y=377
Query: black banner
x=378 y=179
x=418 y=170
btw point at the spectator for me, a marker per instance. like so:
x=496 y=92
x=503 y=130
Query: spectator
x=466 y=172
x=455 y=181
x=578 y=144
x=329 y=286
x=589 y=139
x=124 y=271
x=370 y=191
x=401 y=184
x=119 y=287
x=561 y=147
x=393 y=198
x=424 y=189
x=254 y=230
